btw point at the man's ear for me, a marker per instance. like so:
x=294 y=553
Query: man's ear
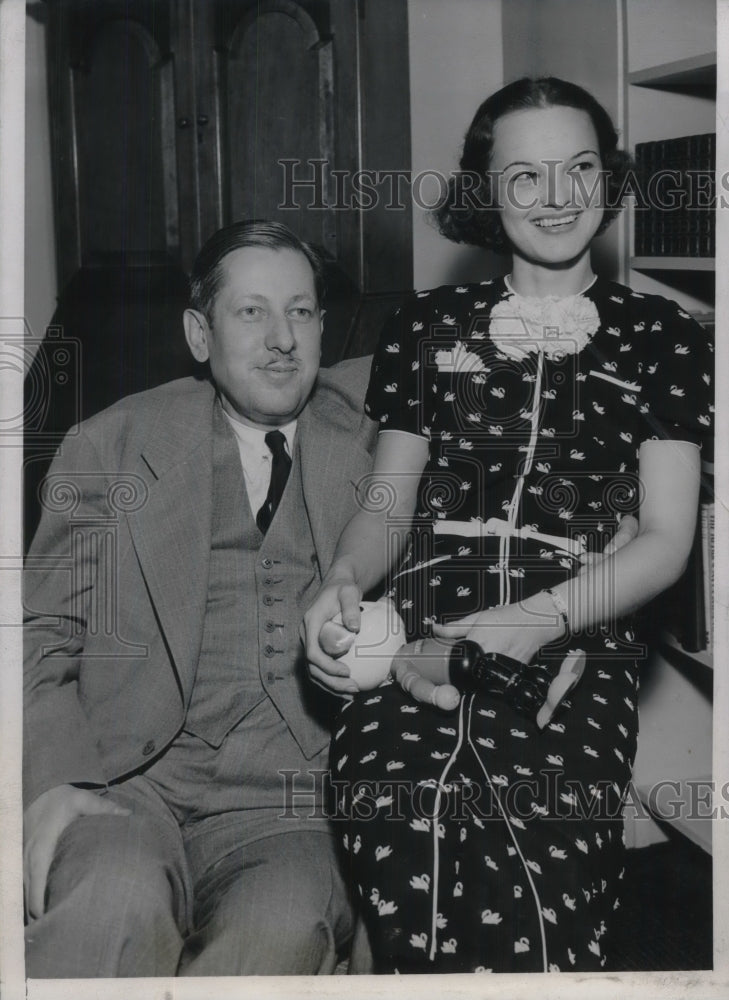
x=197 y=332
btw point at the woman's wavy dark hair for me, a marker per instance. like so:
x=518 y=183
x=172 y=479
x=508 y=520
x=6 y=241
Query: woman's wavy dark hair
x=469 y=213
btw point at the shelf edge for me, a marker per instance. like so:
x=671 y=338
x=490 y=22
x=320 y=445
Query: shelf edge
x=677 y=72
x=703 y=656
x=673 y=263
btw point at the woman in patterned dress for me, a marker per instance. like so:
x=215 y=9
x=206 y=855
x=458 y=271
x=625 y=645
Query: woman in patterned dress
x=520 y=419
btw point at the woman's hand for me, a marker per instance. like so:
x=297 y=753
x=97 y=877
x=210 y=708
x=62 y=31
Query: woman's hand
x=335 y=597
x=516 y=630
x=520 y=630
x=627 y=530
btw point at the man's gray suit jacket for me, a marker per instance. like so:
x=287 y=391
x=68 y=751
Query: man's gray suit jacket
x=116 y=576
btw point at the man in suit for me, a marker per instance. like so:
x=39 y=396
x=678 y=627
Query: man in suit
x=174 y=750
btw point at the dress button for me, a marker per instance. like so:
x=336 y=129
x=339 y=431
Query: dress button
x=148 y=748
x=269 y=626
x=267 y=563
x=267 y=600
x=268 y=651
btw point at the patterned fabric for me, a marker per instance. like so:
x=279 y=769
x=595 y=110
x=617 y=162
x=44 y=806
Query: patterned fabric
x=476 y=841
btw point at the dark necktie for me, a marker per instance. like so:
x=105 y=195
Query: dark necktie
x=280 y=468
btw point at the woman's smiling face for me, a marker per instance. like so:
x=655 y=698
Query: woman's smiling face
x=548 y=166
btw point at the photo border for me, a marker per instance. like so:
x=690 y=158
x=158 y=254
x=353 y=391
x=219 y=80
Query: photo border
x=691 y=984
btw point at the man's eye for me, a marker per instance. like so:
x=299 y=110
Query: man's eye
x=249 y=312
x=302 y=312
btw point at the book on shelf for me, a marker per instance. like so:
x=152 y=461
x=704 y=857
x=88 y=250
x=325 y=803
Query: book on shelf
x=684 y=605
x=688 y=604
x=674 y=209
x=707 y=552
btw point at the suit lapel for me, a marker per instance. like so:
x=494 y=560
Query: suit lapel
x=172 y=532
x=332 y=464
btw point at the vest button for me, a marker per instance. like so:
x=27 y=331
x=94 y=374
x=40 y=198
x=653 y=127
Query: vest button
x=268 y=600
x=270 y=677
x=267 y=582
x=269 y=626
x=148 y=748
x=267 y=563
x=269 y=651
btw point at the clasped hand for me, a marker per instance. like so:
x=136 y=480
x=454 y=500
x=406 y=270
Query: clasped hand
x=511 y=629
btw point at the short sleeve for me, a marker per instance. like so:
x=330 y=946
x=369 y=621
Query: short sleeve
x=400 y=396
x=678 y=376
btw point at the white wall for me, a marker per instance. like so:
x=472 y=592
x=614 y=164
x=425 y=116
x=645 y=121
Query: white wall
x=676 y=29
x=455 y=62
x=40 y=265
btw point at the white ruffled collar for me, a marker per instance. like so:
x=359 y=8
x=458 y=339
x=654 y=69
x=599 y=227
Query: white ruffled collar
x=553 y=325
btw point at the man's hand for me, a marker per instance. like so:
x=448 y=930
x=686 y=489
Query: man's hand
x=332 y=599
x=44 y=821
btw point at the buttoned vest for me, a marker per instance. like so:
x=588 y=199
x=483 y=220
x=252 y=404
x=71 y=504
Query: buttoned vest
x=258 y=589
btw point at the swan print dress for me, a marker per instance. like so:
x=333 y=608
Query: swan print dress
x=475 y=841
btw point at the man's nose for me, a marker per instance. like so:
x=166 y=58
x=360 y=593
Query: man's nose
x=280 y=335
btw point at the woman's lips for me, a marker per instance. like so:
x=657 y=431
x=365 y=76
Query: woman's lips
x=557 y=222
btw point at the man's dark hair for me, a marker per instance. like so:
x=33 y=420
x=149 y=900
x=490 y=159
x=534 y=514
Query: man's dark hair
x=470 y=213
x=207 y=271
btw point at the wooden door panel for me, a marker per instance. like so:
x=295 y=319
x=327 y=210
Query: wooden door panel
x=121 y=178
x=111 y=86
x=173 y=117
x=278 y=109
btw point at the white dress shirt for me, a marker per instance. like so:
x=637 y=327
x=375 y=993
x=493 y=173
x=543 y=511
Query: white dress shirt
x=255 y=457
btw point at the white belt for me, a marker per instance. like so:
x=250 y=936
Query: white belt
x=495 y=526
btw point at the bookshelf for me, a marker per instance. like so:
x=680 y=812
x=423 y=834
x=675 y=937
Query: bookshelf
x=696 y=72
x=671 y=647
x=664 y=101
x=669 y=88
x=684 y=806
x=673 y=264
x=687 y=230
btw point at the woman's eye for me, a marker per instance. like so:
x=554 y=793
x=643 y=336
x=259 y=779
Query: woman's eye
x=526 y=175
x=584 y=165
